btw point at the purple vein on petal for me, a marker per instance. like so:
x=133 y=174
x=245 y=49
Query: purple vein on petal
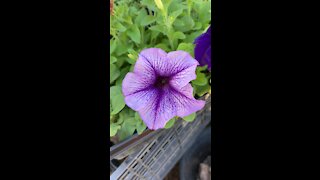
x=159 y=87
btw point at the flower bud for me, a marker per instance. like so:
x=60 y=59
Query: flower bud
x=159 y=4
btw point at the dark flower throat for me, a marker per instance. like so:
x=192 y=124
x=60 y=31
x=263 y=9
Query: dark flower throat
x=161 y=81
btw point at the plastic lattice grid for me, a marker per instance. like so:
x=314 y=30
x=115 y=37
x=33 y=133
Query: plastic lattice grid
x=159 y=156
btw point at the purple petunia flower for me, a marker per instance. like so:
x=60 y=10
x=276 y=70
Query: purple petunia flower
x=202 y=51
x=159 y=89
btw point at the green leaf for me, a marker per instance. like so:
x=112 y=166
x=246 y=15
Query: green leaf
x=147 y=20
x=121 y=48
x=128 y=19
x=204 y=12
x=111 y=109
x=126 y=113
x=123 y=73
x=201 y=90
x=113 y=129
x=154 y=35
x=159 y=28
x=166 y=3
x=140 y=124
x=131 y=68
x=149 y=3
x=178 y=23
x=188 y=23
x=120 y=61
x=179 y=35
x=117 y=99
x=202 y=68
x=191 y=37
x=134 y=33
x=176 y=5
x=174 y=15
x=133 y=10
x=131 y=51
x=141 y=127
x=113 y=59
x=114 y=73
x=119 y=27
x=170 y=123
x=113 y=45
x=141 y=14
x=136 y=115
x=197 y=26
x=201 y=79
x=162 y=46
x=127 y=129
x=190 y=118
x=119 y=121
x=188 y=47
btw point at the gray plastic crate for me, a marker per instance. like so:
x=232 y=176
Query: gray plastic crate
x=155 y=154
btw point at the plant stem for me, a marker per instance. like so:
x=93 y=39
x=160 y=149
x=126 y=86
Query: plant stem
x=169 y=26
x=142 y=32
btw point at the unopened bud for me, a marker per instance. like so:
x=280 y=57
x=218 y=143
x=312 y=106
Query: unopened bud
x=159 y=4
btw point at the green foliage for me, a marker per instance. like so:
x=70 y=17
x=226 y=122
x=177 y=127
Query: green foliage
x=170 y=123
x=114 y=128
x=140 y=124
x=116 y=99
x=190 y=118
x=188 y=47
x=201 y=84
x=114 y=72
x=135 y=25
x=201 y=79
x=134 y=34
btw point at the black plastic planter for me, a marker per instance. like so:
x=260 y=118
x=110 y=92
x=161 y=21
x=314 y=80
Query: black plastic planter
x=153 y=154
x=189 y=164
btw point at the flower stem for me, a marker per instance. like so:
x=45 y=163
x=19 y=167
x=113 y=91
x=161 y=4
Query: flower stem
x=169 y=27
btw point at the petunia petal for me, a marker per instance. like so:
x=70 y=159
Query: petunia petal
x=185 y=103
x=168 y=103
x=133 y=87
x=135 y=82
x=155 y=61
x=159 y=110
x=204 y=36
x=141 y=99
x=149 y=61
x=158 y=104
x=180 y=61
x=207 y=57
x=202 y=50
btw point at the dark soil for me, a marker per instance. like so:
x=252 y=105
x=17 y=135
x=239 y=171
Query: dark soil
x=173 y=174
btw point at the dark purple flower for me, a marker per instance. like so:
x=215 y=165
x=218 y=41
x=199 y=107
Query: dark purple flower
x=159 y=89
x=202 y=51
